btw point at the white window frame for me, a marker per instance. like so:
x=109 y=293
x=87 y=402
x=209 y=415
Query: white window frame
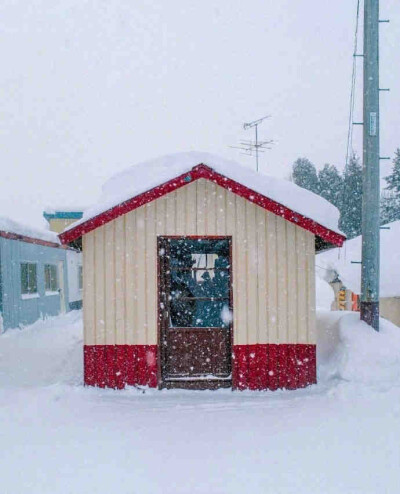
x=48 y=291
x=28 y=295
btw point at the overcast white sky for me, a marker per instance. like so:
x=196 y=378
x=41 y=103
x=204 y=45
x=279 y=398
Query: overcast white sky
x=89 y=87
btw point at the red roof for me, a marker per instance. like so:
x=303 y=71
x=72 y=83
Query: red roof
x=202 y=171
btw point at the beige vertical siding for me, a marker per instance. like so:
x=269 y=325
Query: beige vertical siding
x=273 y=268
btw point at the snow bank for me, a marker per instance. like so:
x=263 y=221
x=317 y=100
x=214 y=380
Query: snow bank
x=44 y=353
x=59 y=437
x=10 y=226
x=351 y=350
x=339 y=260
x=324 y=294
x=145 y=176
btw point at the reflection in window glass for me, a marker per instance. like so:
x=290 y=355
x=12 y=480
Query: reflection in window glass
x=28 y=278
x=50 y=278
x=199 y=283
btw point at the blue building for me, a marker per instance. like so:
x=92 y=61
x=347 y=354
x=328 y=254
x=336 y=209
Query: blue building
x=33 y=275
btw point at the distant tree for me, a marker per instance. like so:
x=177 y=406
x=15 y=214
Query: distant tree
x=390 y=207
x=331 y=185
x=351 y=207
x=305 y=175
x=390 y=200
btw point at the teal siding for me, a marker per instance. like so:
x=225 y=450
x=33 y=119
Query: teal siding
x=17 y=311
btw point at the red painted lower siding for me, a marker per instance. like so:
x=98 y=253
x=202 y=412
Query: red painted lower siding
x=256 y=367
x=115 y=366
x=268 y=366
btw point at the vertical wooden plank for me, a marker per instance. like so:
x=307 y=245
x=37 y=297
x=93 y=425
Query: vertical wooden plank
x=99 y=271
x=140 y=271
x=311 y=334
x=282 y=286
x=160 y=204
x=100 y=357
x=273 y=367
x=89 y=288
x=230 y=228
x=170 y=213
x=291 y=263
x=283 y=377
x=201 y=207
x=301 y=250
x=240 y=272
x=151 y=275
x=251 y=274
x=271 y=278
x=110 y=302
x=211 y=200
x=220 y=211
x=191 y=208
x=262 y=359
x=261 y=275
x=130 y=278
x=120 y=275
x=180 y=211
x=120 y=366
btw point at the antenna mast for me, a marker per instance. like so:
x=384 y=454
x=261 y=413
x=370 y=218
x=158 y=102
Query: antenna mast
x=250 y=146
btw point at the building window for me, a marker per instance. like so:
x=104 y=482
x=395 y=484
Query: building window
x=80 y=277
x=28 y=278
x=50 y=278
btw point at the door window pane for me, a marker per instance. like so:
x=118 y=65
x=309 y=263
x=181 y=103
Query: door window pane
x=50 y=278
x=199 y=283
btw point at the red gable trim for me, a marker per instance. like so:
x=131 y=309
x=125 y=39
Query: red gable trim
x=202 y=171
x=31 y=240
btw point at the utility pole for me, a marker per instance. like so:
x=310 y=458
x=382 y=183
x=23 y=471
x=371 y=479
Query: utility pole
x=369 y=306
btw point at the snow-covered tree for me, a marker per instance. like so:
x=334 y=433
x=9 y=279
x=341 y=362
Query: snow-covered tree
x=390 y=200
x=351 y=208
x=331 y=184
x=305 y=175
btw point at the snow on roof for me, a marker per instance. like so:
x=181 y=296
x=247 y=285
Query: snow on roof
x=63 y=209
x=145 y=176
x=338 y=261
x=8 y=225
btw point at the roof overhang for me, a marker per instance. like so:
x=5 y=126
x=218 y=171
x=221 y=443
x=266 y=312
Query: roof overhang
x=328 y=237
x=31 y=240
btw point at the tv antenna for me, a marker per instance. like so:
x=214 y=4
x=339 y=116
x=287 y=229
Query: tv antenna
x=249 y=147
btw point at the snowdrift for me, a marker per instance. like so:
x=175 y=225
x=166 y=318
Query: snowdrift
x=350 y=350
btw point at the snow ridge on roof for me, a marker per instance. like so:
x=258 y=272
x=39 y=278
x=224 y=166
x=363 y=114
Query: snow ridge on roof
x=144 y=176
x=338 y=261
x=10 y=226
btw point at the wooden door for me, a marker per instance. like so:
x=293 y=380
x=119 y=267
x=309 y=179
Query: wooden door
x=195 y=312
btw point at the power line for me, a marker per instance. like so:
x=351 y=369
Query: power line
x=349 y=147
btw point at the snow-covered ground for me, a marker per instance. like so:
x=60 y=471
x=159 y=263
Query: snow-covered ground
x=340 y=436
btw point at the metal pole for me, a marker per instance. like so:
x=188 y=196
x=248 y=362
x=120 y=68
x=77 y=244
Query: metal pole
x=370 y=204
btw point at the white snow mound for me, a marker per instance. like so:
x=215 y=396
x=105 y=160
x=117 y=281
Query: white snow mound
x=351 y=350
x=147 y=175
x=339 y=261
x=10 y=226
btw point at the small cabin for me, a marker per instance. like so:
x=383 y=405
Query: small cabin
x=33 y=275
x=200 y=273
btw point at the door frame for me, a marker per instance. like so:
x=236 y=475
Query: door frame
x=204 y=383
x=61 y=287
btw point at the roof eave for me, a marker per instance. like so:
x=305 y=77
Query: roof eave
x=197 y=172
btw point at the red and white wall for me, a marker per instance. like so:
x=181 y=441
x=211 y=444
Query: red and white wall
x=273 y=289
